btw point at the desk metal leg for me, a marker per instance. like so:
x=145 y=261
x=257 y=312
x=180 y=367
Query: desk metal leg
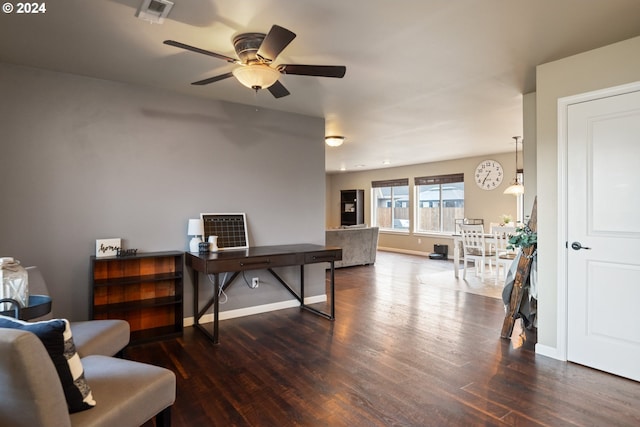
x=199 y=312
x=332 y=314
x=333 y=289
x=302 y=285
x=196 y=285
x=214 y=301
x=287 y=287
x=216 y=306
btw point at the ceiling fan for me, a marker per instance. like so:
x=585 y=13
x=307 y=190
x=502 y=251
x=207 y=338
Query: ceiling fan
x=256 y=53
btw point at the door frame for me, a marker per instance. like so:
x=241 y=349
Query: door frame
x=562 y=203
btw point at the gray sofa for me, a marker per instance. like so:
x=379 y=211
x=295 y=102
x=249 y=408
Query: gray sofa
x=359 y=244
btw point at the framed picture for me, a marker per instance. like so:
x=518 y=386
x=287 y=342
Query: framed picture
x=107 y=247
x=231 y=229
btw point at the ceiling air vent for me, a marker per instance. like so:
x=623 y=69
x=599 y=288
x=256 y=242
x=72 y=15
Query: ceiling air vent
x=154 y=11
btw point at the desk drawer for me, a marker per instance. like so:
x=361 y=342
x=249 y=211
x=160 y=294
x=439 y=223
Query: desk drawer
x=323 y=256
x=252 y=263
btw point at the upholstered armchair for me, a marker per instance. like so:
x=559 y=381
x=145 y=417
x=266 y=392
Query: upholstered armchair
x=102 y=337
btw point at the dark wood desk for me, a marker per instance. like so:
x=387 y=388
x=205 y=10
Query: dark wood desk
x=257 y=258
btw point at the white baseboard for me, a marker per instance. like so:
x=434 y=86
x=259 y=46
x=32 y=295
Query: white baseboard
x=552 y=352
x=248 y=311
x=403 y=251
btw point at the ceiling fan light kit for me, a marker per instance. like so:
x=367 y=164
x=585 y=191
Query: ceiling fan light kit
x=256 y=53
x=334 y=141
x=256 y=76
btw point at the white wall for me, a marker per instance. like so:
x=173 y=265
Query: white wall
x=529 y=157
x=82 y=159
x=489 y=205
x=609 y=66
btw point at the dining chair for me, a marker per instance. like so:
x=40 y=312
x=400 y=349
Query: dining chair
x=474 y=248
x=503 y=256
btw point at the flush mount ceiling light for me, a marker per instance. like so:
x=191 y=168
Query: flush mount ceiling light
x=515 y=188
x=334 y=141
x=256 y=76
x=154 y=11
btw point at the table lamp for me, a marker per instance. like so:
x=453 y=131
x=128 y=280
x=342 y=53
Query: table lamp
x=195 y=229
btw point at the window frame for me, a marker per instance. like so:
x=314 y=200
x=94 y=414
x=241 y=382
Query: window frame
x=440 y=180
x=392 y=183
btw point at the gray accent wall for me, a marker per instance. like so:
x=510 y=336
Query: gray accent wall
x=83 y=159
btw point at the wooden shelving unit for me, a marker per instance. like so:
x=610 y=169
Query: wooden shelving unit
x=146 y=290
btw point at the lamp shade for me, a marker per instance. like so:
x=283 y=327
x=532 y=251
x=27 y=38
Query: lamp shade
x=195 y=227
x=334 y=141
x=515 y=189
x=256 y=76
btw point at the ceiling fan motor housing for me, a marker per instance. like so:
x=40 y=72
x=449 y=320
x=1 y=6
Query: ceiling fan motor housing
x=247 y=45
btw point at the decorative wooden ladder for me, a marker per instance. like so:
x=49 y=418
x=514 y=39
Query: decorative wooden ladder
x=522 y=275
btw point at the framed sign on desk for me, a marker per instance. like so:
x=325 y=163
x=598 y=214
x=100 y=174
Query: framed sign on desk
x=231 y=229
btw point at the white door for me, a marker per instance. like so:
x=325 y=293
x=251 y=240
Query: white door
x=603 y=207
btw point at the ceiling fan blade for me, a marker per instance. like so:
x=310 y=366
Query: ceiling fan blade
x=278 y=90
x=274 y=42
x=212 y=79
x=202 y=51
x=337 y=71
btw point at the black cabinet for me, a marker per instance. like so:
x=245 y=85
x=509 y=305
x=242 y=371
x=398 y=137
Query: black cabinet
x=145 y=290
x=351 y=207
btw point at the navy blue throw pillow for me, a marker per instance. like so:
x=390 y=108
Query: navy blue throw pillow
x=56 y=336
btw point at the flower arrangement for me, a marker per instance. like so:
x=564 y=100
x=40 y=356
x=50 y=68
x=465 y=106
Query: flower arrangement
x=506 y=219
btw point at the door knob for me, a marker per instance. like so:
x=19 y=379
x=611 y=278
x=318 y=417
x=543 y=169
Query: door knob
x=576 y=246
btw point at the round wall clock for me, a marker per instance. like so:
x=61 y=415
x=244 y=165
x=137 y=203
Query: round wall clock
x=489 y=174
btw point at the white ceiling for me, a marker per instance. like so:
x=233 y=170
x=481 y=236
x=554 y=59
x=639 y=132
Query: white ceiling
x=426 y=80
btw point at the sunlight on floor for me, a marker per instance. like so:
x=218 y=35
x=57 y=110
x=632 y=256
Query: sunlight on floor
x=484 y=285
x=439 y=273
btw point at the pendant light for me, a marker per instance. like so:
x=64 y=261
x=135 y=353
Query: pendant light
x=516 y=188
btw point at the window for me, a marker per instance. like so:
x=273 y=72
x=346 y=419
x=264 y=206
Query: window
x=440 y=200
x=391 y=204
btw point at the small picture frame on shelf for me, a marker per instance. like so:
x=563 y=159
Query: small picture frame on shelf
x=107 y=247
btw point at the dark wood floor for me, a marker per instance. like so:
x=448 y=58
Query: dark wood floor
x=399 y=353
